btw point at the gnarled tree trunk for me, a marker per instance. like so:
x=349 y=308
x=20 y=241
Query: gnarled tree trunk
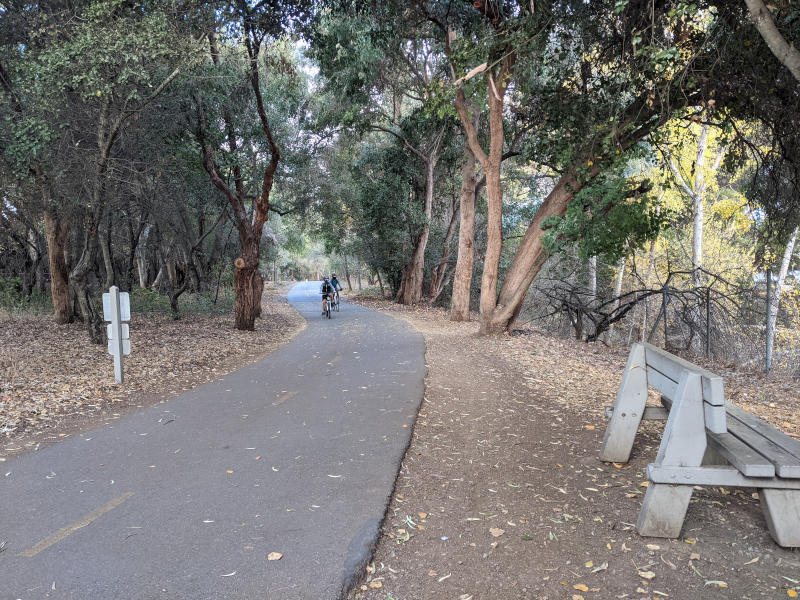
x=79 y=280
x=57 y=233
x=529 y=258
x=491 y=163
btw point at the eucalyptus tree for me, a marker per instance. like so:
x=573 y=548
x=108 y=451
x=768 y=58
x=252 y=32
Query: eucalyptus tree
x=383 y=80
x=591 y=79
x=254 y=59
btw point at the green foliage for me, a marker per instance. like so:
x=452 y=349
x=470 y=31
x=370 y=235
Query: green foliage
x=145 y=300
x=14 y=301
x=608 y=217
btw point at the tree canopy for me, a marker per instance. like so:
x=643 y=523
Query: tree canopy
x=454 y=149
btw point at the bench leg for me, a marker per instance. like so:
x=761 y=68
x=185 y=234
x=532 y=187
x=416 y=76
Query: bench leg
x=628 y=409
x=683 y=445
x=663 y=510
x=782 y=511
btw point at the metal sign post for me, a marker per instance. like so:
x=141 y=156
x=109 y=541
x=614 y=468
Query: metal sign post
x=117 y=308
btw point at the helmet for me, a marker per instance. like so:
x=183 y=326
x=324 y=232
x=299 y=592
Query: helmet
x=325 y=278
x=333 y=274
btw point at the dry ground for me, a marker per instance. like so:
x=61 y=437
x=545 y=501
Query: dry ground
x=54 y=383
x=502 y=496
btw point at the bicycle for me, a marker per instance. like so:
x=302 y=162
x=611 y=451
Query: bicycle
x=336 y=301
x=328 y=307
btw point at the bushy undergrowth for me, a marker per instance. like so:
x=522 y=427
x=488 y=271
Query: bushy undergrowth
x=151 y=301
x=13 y=301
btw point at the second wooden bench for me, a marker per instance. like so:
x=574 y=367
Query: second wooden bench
x=706 y=441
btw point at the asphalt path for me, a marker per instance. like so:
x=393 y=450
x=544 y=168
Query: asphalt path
x=295 y=454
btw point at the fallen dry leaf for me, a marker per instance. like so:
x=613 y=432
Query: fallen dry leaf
x=581 y=587
x=496 y=532
x=274 y=556
x=601 y=567
x=647 y=575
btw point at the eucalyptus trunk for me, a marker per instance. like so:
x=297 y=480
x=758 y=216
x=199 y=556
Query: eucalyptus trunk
x=248 y=283
x=530 y=257
x=785 y=52
x=414 y=273
x=788 y=252
x=617 y=292
x=492 y=163
x=108 y=257
x=462 y=280
x=79 y=281
x=440 y=274
x=347 y=274
x=57 y=233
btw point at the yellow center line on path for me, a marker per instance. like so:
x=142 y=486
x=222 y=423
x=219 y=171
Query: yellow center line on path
x=65 y=531
x=284 y=398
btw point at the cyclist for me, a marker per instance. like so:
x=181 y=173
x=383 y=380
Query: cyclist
x=337 y=286
x=327 y=291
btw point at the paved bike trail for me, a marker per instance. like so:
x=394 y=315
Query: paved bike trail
x=296 y=454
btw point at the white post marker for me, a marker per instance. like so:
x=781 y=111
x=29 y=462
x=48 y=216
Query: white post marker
x=117 y=308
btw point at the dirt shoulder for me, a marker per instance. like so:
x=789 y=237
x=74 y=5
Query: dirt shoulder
x=502 y=496
x=53 y=383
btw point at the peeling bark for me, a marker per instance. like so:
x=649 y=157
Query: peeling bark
x=57 y=233
x=462 y=281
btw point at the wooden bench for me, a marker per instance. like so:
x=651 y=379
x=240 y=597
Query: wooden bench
x=706 y=441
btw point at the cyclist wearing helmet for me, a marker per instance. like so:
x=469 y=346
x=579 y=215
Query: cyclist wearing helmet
x=327 y=292
x=335 y=283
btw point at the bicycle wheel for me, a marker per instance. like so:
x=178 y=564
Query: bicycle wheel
x=328 y=310
x=336 y=304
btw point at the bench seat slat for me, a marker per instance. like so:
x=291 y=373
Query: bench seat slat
x=714 y=476
x=789 y=444
x=786 y=465
x=740 y=455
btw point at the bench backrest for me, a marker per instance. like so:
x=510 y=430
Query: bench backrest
x=664 y=372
